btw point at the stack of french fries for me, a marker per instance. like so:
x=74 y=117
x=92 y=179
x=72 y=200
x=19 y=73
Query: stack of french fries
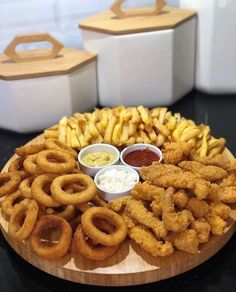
x=123 y=126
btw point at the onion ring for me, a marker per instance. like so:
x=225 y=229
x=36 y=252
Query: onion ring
x=55 y=161
x=39 y=193
x=42 y=248
x=66 y=212
x=9 y=202
x=9 y=182
x=25 y=187
x=54 y=144
x=27 y=210
x=114 y=219
x=29 y=149
x=31 y=165
x=94 y=252
x=17 y=164
x=75 y=198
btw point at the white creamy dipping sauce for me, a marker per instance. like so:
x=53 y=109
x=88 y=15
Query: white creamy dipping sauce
x=116 y=180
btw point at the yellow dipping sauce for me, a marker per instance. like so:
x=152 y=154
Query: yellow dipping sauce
x=99 y=158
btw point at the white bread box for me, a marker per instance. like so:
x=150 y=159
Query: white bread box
x=39 y=86
x=216 y=45
x=143 y=58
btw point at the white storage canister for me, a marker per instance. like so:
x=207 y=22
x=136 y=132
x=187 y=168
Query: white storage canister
x=143 y=58
x=39 y=86
x=216 y=45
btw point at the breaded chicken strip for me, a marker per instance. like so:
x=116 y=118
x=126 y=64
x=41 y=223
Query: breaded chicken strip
x=222 y=194
x=220 y=209
x=180 y=199
x=174 y=221
x=229 y=181
x=217 y=224
x=166 y=175
x=175 y=152
x=118 y=204
x=207 y=172
x=136 y=210
x=146 y=191
x=143 y=237
x=199 y=208
x=203 y=229
x=186 y=241
x=219 y=160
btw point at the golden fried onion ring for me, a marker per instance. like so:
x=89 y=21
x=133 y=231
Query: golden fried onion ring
x=29 y=149
x=31 y=165
x=9 y=202
x=27 y=210
x=94 y=252
x=55 y=161
x=54 y=144
x=114 y=219
x=43 y=248
x=75 y=198
x=39 y=193
x=25 y=187
x=9 y=182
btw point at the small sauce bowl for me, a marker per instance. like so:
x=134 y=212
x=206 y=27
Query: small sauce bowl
x=108 y=195
x=140 y=146
x=92 y=170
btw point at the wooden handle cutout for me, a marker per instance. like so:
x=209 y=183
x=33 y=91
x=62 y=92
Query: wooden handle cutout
x=117 y=9
x=29 y=56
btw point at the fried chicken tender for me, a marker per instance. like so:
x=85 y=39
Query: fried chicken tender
x=186 y=241
x=207 y=172
x=146 y=191
x=156 y=207
x=167 y=175
x=198 y=208
x=217 y=224
x=220 y=209
x=223 y=194
x=228 y=181
x=180 y=199
x=137 y=211
x=174 y=221
x=219 y=160
x=203 y=229
x=118 y=204
x=143 y=237
x=175 y=152
x=130 y=222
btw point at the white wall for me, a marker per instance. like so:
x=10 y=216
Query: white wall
x=58 y=17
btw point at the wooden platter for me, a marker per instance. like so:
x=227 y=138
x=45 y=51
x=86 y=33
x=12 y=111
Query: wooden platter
x=131 y=265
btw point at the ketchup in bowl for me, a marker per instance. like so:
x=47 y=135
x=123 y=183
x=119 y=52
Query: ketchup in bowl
x=141 y=157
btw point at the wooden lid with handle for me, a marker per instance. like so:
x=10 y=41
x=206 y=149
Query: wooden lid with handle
x=40 y=62
x=119 y=22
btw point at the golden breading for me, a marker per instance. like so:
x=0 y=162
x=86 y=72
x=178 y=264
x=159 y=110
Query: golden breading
x=186 y=241
x=118 y=204
x=175 y=152
x=146 y=191
x=174 y=221
x=143 y=237
x=220 y=209
x=199 y=208
x=180 y=198
x=217 y=224
x=203 y=229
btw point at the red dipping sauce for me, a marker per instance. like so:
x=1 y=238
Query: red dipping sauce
x=141 y=157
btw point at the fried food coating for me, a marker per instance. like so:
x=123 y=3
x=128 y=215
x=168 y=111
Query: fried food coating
x=203 y=229
x=143 y=237
x=167 y=175
x=228 y=194
x=137 y=211
x=220 y=209
x=219 y=160
x=146 y=191
x=186 y=241
x=217 y=224
x=174 y=221
x=180 y=198
x=228 y=181
x=175 y=152
x=156 y=207
x=118 y=204
x=207 y=172
x=199 y=208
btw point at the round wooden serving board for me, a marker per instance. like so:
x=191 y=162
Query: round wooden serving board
x=131 y=265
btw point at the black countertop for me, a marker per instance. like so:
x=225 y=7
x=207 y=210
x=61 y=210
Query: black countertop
x=216 y=274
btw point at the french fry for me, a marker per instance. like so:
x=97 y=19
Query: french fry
x=160 y=140
x=215 y=143
x=202 y=151
x=144 y=137
x=124 y=134
x=68 y=135
x=179 y=129
x=144 y=115
x=132 y=128
x=189 y=133
x=52 y=132
x=171 y=124
x=214 y=151
x=160 y=128
x=151 y=133
x=62 y=130
x=109 y=130
x=155 y=112
x=162 y=115
x=75 y=140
